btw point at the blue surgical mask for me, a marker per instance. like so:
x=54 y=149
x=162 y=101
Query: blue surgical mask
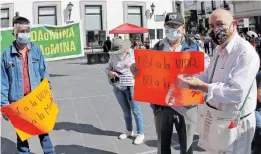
x=23 y=38
x=172 y=34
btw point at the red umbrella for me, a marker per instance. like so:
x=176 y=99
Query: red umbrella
x=128 y=29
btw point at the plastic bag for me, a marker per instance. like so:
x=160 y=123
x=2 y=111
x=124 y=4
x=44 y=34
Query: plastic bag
x=189 y=112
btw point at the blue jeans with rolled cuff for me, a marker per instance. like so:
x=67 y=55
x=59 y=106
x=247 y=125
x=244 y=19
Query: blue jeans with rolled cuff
x=129 y=106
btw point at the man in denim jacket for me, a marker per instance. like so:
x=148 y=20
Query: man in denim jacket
x=22 y=70
x=165 y=116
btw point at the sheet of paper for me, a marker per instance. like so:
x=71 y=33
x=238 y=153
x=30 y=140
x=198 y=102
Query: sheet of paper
x=190 y=113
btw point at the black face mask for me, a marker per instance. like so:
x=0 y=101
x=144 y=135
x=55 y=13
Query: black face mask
x=220 y=36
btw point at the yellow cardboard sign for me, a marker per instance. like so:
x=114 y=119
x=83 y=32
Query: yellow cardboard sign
x=34 y=114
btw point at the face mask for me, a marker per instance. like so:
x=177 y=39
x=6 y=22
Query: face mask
x=23 y=38
x=172 y=34
x=220 y=36
x=123 y=55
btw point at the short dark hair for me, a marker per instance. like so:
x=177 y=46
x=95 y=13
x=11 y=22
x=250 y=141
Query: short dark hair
x=21 y=20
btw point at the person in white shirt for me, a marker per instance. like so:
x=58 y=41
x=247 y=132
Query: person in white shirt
x=227 y=119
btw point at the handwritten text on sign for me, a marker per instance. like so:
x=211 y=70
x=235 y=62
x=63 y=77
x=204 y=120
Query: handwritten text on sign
x=34 y=114
x=158 y=70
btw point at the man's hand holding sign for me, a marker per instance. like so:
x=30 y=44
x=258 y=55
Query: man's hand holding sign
x=156 y=71
x=34 y=114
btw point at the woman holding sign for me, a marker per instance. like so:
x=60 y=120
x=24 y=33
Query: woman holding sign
x=121 y=57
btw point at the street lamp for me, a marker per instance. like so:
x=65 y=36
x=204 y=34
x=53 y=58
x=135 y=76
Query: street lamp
x=69 y=6
x=16 y=14
x=152 y=6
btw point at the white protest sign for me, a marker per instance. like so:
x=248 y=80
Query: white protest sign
x=215 y=135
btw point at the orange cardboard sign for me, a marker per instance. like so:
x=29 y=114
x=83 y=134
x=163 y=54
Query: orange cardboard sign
x=34 y=114
x=158 y=71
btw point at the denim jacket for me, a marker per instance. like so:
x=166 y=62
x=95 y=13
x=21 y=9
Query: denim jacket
x=12 y=73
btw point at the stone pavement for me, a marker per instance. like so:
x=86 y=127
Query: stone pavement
x=90 y=119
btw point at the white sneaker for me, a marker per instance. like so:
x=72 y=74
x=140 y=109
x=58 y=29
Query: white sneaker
x=139 y=139
x=126 y=135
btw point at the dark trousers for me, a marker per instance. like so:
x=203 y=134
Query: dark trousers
x=258 y=50
x=207 y=51
x=256 y=144
x=45 y=141
x=164 y=119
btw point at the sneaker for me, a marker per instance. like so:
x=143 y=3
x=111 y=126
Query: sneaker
x=126 y=135
x=139 y=139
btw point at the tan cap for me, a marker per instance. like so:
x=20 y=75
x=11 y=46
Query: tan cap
x=119 y=46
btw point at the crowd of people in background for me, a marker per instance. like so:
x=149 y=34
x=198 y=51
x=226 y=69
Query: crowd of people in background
x=208 y=45
x=204 y=41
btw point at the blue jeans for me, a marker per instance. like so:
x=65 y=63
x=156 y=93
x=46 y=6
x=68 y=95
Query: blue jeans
x=256 y=144
x=23 y=146
x=128 y=106
x=258 y=119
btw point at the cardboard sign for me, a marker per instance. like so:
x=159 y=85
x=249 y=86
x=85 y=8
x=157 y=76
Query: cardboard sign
x=158 y=71
x=34 y=114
